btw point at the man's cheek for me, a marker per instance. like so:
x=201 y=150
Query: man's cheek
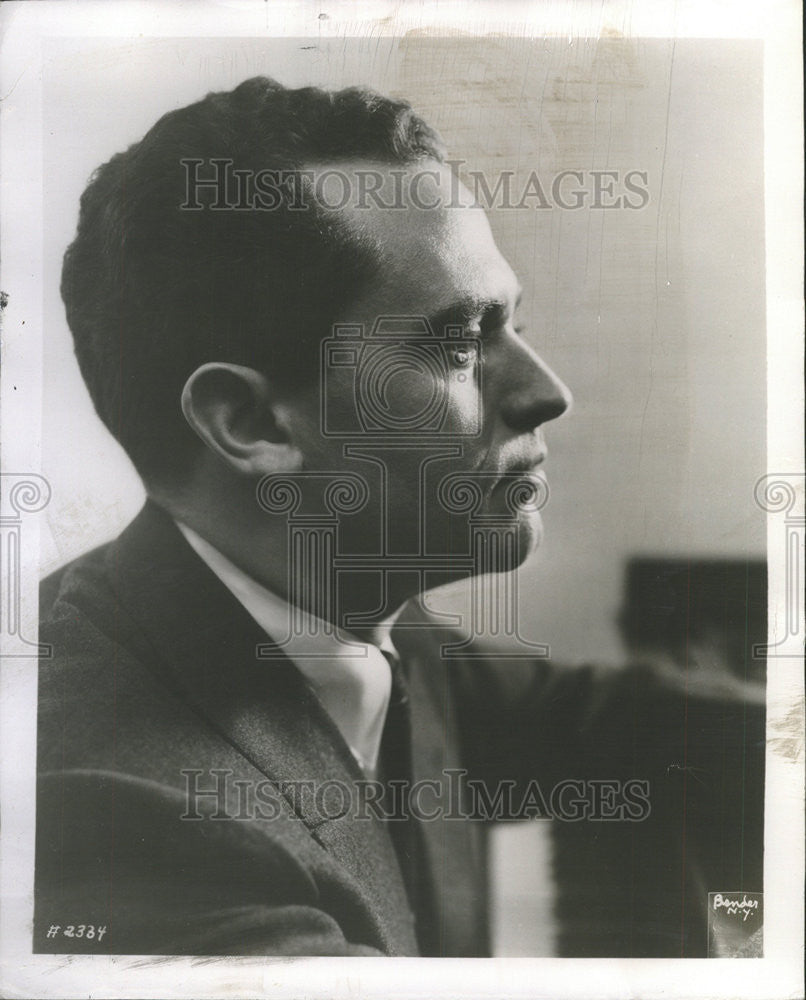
x=413 y=400
x=464 y=414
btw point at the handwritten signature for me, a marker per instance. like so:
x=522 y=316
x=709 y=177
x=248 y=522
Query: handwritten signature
x=733 y=905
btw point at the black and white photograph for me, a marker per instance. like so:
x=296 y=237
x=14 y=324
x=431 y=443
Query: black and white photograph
x=402 y=500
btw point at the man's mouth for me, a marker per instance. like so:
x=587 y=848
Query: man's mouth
x=524 y=483
x=528 y=466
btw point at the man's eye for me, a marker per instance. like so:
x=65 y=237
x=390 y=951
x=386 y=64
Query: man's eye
x=464 y=357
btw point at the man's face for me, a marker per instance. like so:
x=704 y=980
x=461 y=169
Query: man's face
x=447 y=420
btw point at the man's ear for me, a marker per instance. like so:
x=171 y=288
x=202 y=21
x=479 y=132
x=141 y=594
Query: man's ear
x=232 y=410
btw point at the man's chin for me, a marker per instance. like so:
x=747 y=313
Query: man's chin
x=517 y=502
x=530 y=535
x=505 y=551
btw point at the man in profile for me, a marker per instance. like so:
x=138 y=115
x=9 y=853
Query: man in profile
x=299 y=327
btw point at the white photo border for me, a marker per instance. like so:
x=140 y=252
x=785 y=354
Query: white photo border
x=778 y=974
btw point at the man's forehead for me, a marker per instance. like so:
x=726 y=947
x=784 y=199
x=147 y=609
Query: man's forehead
x=425 y=185
x=416 y=206
x=435 y=240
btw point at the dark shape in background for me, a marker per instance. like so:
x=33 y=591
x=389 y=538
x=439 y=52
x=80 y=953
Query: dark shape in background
x=718 y=605
x=641 y=889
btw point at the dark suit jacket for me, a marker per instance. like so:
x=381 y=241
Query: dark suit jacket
x=154 y=684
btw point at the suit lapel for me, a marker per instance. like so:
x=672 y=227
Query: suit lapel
x=186 y=622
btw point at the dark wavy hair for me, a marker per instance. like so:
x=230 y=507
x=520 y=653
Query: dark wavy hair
x=152 y=291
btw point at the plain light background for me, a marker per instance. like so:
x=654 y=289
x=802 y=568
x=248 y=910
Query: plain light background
x=655 y=318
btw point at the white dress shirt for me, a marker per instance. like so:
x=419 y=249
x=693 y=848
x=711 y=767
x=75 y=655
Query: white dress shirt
x=352 y=679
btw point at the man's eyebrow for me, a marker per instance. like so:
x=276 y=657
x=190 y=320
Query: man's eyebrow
x=461 y=312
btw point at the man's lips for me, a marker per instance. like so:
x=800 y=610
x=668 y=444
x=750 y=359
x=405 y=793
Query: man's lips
x=523 y=465
x=527 y=466
x=525 y=471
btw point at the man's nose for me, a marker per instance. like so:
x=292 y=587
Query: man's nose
x=532 y=394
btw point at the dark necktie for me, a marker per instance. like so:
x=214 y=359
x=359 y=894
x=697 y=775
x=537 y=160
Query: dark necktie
x=396 y=767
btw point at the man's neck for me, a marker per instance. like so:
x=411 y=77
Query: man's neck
x=261 y=551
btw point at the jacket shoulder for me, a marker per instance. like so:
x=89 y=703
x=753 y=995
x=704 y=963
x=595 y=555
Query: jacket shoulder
x=105 y=700
x=84 y=573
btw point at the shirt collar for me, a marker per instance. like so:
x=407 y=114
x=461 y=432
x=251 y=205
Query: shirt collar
x=351 y=678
